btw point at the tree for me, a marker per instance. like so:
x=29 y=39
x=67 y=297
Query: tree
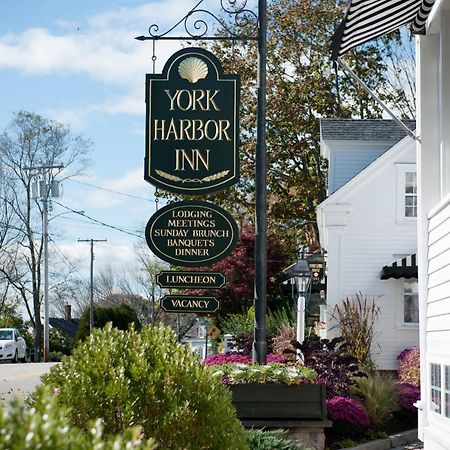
x=301 y=88
x=239 y=270
x=120 y=316
x=31 y=141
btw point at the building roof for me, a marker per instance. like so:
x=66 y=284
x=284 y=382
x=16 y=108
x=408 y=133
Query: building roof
x=68 y=327
x=363 y=130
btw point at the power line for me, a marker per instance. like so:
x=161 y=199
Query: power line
x=136 y=197
x=72 y=267
x=99 y=221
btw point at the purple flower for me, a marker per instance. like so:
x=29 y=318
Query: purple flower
x=409 y=394
x=347 y=410
x=220 y=359
x=233 y=358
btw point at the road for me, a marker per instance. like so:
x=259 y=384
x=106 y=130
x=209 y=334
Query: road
x=20 y=379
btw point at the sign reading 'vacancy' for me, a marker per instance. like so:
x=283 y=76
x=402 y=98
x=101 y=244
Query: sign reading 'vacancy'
x=189 y=304
x=191 y=233
x=192 y=133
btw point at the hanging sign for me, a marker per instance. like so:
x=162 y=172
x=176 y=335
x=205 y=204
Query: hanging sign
x=192 y=129
x=189 y=304
x=190 y=280
x=191 y=233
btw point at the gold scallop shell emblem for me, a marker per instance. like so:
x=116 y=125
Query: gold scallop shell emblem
x=193 y=69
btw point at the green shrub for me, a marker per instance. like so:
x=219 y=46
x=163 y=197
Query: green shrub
x=270 y=440
x=379 y=395
x=46 y=426
x=146 y=378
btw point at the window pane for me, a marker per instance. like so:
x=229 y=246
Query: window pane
x=436 y=375
x=410 y=302
x=435 y=401
x=410 y=194
x=447 y=378
x=447 y=405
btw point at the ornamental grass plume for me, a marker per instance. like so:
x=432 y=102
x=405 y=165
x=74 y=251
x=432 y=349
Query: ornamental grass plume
x=347 y=410
x=356 y=320
x=379 y=395
x=409 y=366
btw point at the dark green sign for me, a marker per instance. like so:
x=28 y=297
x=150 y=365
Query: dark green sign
x=192 y=132
x=191 y=233
x=189 y=304
x=190 y=280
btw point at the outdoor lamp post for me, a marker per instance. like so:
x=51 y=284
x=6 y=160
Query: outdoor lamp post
x=302 y=277
x=298 y=275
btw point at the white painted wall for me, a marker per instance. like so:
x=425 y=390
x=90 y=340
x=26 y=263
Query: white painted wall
x=433 y=157
x=361 y=233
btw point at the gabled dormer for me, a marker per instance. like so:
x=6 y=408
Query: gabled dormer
x=350 y=145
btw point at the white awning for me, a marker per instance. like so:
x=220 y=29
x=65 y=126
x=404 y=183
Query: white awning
x=368 y=19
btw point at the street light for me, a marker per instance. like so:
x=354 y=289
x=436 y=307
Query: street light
x=299 y=276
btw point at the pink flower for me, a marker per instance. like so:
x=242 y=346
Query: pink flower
x=229 y=358
x=347 y=410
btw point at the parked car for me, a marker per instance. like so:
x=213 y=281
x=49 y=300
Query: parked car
x=12 y=345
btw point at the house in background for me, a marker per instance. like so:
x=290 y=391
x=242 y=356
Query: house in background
x=368 y=224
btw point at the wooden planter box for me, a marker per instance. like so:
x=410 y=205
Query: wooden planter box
x=279 y=401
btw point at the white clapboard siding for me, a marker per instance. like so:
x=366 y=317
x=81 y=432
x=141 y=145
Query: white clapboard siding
x=438 y=309
x=349 y=159
x=439 y=292
x=439 y=246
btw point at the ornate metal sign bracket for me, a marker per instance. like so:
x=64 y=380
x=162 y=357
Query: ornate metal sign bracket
x=244 y=24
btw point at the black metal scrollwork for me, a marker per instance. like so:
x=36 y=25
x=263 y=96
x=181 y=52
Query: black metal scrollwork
x=243 y=23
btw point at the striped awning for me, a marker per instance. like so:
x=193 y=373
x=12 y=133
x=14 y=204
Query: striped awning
x=402 y=268
x=368 y=19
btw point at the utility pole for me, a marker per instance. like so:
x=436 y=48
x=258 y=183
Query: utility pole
x=91 y=304
x=44 y=191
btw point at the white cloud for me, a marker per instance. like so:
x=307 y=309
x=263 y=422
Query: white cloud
x=132 y=183
x=105 y=50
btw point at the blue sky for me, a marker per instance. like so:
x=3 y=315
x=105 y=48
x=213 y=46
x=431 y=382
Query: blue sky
x=78 y=62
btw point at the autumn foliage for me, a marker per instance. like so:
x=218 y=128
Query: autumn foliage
x=239 y=270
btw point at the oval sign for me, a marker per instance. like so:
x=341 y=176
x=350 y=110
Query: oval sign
x=191 y=233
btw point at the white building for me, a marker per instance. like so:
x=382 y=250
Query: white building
x=433 y=150
x=368 y=222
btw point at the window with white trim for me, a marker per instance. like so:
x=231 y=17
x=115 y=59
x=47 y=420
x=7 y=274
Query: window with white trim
x=440 y=389
x=435 y=385
x=406 y=192
x=410 y=194
x=410 y=302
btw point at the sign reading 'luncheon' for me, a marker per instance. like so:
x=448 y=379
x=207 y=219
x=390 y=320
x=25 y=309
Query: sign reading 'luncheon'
x=191 y=233
x=192 y=141
x=192 y=280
